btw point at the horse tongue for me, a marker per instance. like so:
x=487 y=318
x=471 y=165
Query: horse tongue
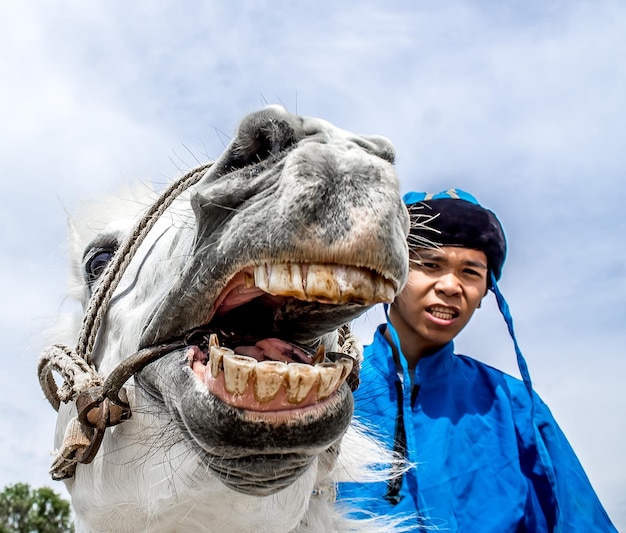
x=273 y=349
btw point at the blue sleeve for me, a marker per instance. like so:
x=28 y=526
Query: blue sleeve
x=579 y=509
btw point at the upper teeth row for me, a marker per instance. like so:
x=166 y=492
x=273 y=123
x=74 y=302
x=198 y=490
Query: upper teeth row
x=269 y=376
x=334 y=284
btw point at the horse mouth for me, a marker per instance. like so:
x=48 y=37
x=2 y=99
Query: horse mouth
x=282 y=377
x=256 y=381
x=250 y=354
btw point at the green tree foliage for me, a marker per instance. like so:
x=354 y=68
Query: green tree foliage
x=26 y=510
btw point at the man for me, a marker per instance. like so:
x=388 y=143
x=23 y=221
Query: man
x=486 y=454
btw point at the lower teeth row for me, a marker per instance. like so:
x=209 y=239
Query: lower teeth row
x=269 y=377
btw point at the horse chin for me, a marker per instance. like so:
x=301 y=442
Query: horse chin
x=252 y=450
x=261 y=476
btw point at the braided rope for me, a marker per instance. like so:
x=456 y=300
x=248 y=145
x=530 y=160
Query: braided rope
x=349 y=343
x=351 y=346
x=77 y=374
x=99 y=302
x=75 y=365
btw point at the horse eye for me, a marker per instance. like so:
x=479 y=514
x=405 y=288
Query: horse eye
x=96 y=263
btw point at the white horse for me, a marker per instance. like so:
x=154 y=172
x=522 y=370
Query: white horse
x=210 y=388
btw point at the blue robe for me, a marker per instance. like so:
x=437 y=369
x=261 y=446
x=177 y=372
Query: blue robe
x=486 y=459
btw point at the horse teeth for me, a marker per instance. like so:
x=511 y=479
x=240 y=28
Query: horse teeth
x=346 y=365
x=216 y=355
x=261 y=277
x=335 y=284
x=300 y=380
x=270 y=376
x=296 y=379
x=213 y=340
x=330 y=375
x=322 y=284
x=286 y=279
x=190 y=354
x=383 y=292
x=248 y=279
x=320 y=355
x=237 y=370
x=355 y=284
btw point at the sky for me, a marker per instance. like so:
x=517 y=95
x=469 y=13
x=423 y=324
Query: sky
x=521 y=103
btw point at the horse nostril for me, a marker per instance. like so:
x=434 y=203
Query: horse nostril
x=266 y=133
x=270 y=140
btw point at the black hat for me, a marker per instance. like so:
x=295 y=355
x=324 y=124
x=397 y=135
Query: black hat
x=455 y=218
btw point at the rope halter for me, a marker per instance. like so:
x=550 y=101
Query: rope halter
x=101 y=402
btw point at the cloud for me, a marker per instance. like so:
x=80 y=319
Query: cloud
x=520 y=103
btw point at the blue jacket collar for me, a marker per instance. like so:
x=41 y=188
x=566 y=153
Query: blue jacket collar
x=428 y=368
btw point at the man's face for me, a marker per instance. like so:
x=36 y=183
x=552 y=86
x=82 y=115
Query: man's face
x=444 y=288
